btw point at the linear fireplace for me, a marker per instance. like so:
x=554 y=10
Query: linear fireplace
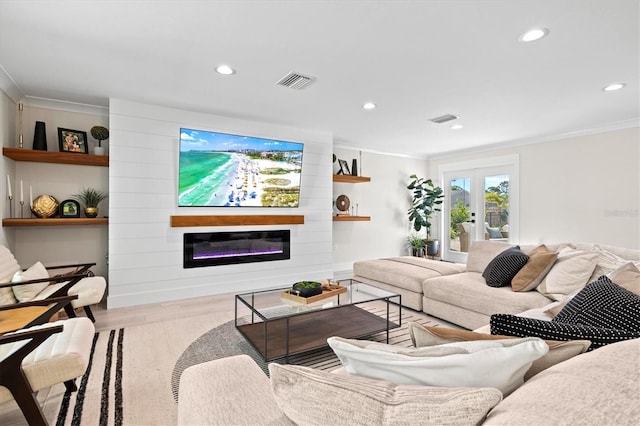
x=227 y=248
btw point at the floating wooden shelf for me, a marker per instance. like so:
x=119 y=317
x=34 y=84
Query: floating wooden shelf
x=351 y=218
x=21 y=154
x=239 y=220
x=350 y=179
x=56 y=221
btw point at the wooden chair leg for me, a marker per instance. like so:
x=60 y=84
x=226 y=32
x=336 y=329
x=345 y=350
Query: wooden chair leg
x=87 y=311
x=71 y=385
x=69 y=310
x=26 y=400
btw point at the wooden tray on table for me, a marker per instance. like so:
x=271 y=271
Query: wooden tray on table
x=328 y=290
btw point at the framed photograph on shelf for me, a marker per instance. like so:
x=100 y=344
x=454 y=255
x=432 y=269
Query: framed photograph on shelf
x=72 y=141
x=69 y=208
x=344 y=167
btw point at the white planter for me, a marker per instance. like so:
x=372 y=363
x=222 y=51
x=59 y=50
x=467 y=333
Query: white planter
x=98 y=150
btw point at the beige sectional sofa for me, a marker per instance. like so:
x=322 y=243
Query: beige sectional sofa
x=458 y=293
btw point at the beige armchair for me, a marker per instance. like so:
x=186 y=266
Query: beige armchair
x=40 y=282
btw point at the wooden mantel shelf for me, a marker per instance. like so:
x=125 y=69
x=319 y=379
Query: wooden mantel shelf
x=239 y=220
x=23 y=154
x=56 y=221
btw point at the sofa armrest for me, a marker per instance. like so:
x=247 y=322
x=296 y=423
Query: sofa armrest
x=232 y=390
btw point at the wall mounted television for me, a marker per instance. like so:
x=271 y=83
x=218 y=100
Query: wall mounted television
x=229 y=170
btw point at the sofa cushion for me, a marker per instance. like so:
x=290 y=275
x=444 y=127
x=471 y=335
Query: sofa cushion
x=571 y=271
x=27 y=292
x=558 y=350
x=596 y=388
x=498 y=363
x=540 y=262
x=314 y=397
x=512 y=325
x=603 y=304
x=627 y=276
x=482 y=252
x=469 y=291
x=502 y=268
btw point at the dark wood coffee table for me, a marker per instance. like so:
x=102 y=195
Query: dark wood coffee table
x=278 y=327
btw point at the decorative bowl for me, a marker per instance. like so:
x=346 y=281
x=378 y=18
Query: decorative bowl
x=307 y=288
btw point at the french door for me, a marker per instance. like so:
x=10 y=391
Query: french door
x=480 y=204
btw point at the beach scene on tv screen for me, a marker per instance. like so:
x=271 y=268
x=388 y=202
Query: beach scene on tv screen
x=227 y=170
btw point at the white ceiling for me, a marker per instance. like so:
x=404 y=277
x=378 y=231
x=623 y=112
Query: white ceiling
x=415 y=59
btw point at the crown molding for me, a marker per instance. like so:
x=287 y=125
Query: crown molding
x=56 y=104
x=9 y=86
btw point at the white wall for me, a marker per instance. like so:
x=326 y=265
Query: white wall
x=145 y=253
x=385 y=199
x=576 y=189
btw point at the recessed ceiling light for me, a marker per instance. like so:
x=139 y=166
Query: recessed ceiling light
x=225 y=70
x=369 y=105
x=457 y=127
x=613 y=87
x=533 y=35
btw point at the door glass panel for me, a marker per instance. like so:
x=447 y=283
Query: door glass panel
x=496 y=207
x=459 y=207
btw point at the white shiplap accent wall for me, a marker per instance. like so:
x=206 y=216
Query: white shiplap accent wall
x=145 y=253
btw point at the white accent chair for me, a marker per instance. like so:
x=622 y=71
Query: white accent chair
x=39 y=357
x=79 y=282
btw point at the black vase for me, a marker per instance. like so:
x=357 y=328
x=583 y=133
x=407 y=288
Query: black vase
x=354 y=167
x=40 y=137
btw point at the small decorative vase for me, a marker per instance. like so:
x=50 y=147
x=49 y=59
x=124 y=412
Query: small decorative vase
x=99 y=150
x=91 y=211
x=40 y=137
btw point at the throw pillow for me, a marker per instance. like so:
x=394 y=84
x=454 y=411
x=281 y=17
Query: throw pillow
x=499 y=363
x=540 y=262
x=494 y=232
x=26 y=292
x=482 y=252
x=603 y=304
x=627 y=276
x=571 y=271
x=558 y=350
x=606 y=262
x=512 y=325
x=501 y=270
x=314 y=397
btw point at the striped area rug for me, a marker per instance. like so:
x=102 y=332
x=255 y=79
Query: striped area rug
x=99 y=398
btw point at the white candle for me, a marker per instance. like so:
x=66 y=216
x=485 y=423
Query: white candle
x=9 y=186
x=21 y=192
x=30 y=196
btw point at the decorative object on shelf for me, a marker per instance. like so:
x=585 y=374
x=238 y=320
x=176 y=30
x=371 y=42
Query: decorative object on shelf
x=334 y=158
x=344 y=168
x=10 y=196
x=20 y=135
x=90 y=198
x=69 y=208
x=45 y=206
x=72 y=141
x=342 y=204
x=354 y=167
x=426 y=199
x=307 y=288
x=40 y=136
x=100 y=133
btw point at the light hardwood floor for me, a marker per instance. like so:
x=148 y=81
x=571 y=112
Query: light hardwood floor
x=108 y=319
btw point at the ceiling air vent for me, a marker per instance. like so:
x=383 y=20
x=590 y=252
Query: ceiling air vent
x=295 y=80
x=444 y=118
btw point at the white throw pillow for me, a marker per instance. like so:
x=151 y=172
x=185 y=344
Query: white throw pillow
x=500 y=364
x=481 y=252
x=571 y=271
x=26 y=292
x=314 y=397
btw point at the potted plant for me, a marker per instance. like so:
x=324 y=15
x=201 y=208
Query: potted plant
x=307 y=288
x=416 y=244
x=100 y=133
x=90 y=198
x=426 y=199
